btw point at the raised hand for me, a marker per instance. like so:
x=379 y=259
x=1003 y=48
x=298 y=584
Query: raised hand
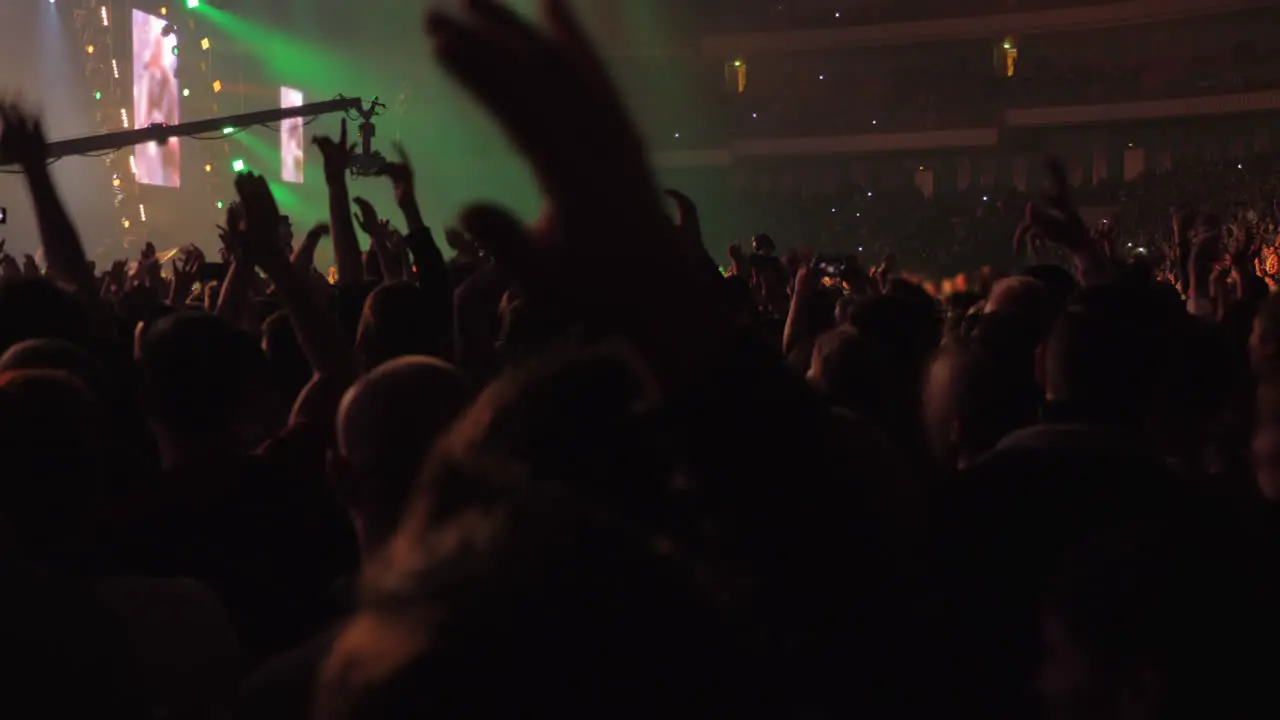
x=567 y=118
x=304 y=258
x=185 y=275
x=337 y=154
x=30 y=268
x=400 y=173
x=261 y=225
x=318 y=231
x=118 y=274
x=1246 y=246
x=23 y=139
x=9 y=269
x=367 y=219
x=188 y=271
x=1057 y=219
x=689 y=227
x=231 y=235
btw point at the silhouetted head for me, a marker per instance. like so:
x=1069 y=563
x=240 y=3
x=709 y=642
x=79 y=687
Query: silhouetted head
x=398 y=321
x=1058 y=282
x=477 y=600
x=971 y=401
x=204 y=383
x=290 y=369
x=387 y=424
x=534 y=525
x=859 y=374
x=905 y=321
x=1108 y=354
x=1022 y=295
x=1264 y=341
x=53 y=458
x=1163 y=619
x=34 y=308
x=61 y=356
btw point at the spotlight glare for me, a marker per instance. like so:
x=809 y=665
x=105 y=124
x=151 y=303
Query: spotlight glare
x=237 y=165
x=164 y=11
x=186 y=92
x=105 y=22
x=89 y=49
x=204 y=44
x=217 y=86
x=193 y=3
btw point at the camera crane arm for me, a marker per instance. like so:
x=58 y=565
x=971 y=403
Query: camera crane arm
x=160 y=133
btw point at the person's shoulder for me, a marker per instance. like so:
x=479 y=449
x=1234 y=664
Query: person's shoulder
x=282 y=688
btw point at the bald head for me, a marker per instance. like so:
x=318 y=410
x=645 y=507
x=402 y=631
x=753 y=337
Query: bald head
x=1018 y=294
x=387 y=424
x=47 y=354
x=407 y=401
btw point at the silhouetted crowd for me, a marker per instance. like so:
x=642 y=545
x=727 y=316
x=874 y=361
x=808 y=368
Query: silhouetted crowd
x=507 y=484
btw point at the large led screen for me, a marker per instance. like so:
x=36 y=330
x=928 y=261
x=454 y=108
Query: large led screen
x=155 y=98
x=293 y=155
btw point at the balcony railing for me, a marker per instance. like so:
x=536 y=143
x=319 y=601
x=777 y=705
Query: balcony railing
x=1118 y=14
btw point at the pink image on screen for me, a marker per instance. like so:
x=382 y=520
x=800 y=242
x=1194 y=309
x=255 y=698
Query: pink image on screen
x=155 y=99
x=293 y=154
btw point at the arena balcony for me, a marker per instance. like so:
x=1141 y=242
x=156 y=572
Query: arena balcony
x=1014 y=19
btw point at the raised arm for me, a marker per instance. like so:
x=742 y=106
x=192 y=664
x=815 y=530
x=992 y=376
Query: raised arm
x=304 y=257
x=379 y=232
x=346 y=247
x=317 y=334
x=233 y=297
x=23 y=142
x=433 y=273
x=797 y=334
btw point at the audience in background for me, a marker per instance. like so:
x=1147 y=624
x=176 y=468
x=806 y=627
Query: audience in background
x=513 y=485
